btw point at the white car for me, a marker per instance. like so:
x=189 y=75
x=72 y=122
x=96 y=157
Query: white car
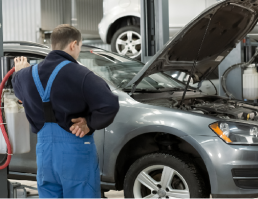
x=120 y=25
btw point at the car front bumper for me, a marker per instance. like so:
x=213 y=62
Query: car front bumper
x=233 y=169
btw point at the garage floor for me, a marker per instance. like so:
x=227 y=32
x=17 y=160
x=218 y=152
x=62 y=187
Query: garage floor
x=34 y=193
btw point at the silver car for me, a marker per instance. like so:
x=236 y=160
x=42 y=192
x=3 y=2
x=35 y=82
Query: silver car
x=162 y=143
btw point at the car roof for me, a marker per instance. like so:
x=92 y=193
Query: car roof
x=35 y=48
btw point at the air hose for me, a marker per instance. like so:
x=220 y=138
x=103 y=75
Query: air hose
x=9 y=148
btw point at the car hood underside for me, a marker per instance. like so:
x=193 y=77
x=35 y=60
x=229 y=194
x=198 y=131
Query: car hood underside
x=206 y=40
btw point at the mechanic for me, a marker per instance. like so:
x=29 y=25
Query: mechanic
x=64 y=103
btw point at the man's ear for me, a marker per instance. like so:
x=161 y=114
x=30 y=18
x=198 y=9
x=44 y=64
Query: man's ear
x=72 y=45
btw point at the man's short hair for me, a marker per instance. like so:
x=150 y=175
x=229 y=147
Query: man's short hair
x=64 y=34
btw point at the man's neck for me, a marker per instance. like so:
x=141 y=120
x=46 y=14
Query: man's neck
x=64 y=55
x=69 y=53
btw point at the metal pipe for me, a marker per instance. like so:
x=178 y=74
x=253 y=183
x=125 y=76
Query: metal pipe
x=73 y=13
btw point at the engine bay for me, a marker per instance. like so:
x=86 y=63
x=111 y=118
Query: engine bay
x=212 y=106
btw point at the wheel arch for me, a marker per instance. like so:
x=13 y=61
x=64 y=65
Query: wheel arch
x=134 y=148
x=120 y=22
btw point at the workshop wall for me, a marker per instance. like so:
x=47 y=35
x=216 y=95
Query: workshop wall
x=34 y=20
x=89 y=14
x=23 y=23
x=55 y=12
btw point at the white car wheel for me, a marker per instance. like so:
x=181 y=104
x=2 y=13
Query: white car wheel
x=129 y=44
x=127 y=41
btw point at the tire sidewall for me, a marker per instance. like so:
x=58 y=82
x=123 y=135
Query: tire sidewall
x=119 y=32
x=161 y=159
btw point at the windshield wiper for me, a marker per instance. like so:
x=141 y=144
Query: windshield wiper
x=143 y=90
x=154 y=91
x=173 y=89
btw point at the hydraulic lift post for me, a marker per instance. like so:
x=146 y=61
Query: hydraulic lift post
x=154 y=27
x=3 y=172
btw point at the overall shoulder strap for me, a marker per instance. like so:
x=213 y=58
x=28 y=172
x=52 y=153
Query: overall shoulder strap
x=45 y=94
x=37 y=81
x=51 y=79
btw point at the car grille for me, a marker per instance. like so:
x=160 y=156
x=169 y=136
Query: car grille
x=246 y=178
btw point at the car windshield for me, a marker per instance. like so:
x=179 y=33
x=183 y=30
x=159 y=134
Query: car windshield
x=119 y=71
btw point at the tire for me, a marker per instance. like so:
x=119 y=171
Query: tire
x=132 y=47
x=186 y=178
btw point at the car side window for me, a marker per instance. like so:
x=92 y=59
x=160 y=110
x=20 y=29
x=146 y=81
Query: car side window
x=101 y=64
x=33 y=61
x=9 y=63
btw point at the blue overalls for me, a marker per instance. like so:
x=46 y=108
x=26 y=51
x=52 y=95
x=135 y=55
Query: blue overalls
x=67 y=165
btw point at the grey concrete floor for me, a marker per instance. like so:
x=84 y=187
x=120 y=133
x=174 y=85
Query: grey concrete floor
x=34 y=194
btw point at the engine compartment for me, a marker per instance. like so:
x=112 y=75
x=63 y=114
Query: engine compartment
x=212 y=106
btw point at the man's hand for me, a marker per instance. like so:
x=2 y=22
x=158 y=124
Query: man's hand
x=20 y=63
x=79 y=128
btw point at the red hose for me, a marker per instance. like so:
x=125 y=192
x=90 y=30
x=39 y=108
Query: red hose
x=9 y=148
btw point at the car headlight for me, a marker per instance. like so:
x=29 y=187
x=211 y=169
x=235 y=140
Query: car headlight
x=236 y=133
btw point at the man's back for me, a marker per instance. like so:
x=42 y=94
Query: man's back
x=59 y=97
x=76 y=92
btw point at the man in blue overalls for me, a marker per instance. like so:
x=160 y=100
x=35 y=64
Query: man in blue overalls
x=64 y=103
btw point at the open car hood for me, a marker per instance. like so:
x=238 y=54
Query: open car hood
x=206 y=40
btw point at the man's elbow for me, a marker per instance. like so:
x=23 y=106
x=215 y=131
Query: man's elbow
x=109 y=118
x=115 y=107
x=113 y=110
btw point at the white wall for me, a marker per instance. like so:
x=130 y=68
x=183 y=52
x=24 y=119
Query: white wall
x=21 y=20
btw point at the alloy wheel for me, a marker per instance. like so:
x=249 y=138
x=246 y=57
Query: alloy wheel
x=159 y=181
x=129 y=43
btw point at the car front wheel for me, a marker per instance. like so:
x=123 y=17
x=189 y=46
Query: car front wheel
x=127 y=41
x=164 y=176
